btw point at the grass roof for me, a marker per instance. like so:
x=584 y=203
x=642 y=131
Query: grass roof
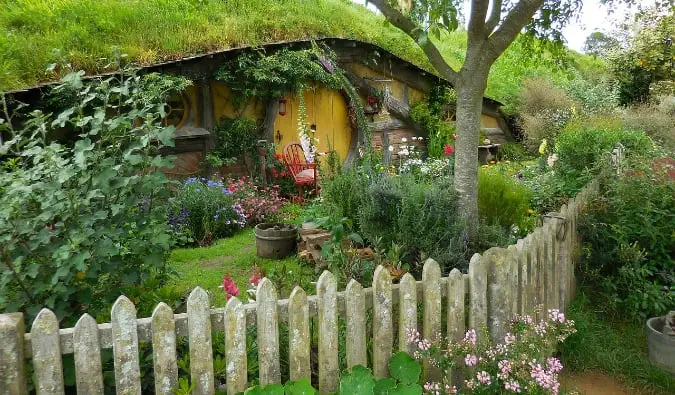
x=151 y=31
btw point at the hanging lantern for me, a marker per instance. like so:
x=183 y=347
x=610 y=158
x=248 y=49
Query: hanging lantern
x=282 y=106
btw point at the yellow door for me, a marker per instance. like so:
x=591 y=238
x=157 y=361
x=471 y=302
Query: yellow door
x=327 y=110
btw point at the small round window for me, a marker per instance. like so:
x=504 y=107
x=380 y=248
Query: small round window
x=176 y=111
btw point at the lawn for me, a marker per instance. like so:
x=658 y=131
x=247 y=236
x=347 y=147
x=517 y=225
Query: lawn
x=207 y=266
x=617 y=348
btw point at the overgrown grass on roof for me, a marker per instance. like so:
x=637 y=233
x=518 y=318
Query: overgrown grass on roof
x=150 y=31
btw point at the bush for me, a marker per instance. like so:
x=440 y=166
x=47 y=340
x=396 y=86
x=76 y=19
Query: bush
x=657 y=121
x=430 y=114
x=515 y=152
x=82 y=222
x=234 y=138
x=502 y=200
x=209 y=210
x=343 y=193
x=545 y=110
x=258 y=204
x=629 y=241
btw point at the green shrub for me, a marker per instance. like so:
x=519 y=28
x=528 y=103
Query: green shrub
x=209 y=208
x=430 y=114
x=502 y=200
x=82 y=222
x=629 y=241
x=515 y=152
x=343 y=192
x=234 y=139
x=657 y=121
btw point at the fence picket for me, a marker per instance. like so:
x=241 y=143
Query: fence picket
x=550 y=266
x=268 y=333
x=125 y=347
x=13 y=366
x=235 y=346
x=47 y=354
x=456 y=315
x=199 y=336
x=539 y=255
x=87 y=353
x=298 y=335
x=355 y=319
x=383 y=337
x=431 y=327
x=525 y=275
x=478 y=292
x=329 y=369
x=164 y=350
x=407 y=319
x=498 y=291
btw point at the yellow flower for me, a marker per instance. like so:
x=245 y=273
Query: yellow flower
x=530 y=211
x=492 y=162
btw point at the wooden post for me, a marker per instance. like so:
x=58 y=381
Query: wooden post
x=164 y=350
x=355 y=319
x=298 y=336
x=407 y=320
x=383 y=337
x=329 y=369
x=125 y=347
x=478 y=293
x=87 y=350
x=12 y=371
x=46 y=344
x=235 y=347
x=431 y=285
x=268 y=333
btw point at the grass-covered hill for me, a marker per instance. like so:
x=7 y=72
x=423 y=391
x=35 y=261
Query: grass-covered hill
x=150 y=31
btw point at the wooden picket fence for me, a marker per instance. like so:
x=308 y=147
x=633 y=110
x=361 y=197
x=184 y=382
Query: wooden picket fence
x=537 y=270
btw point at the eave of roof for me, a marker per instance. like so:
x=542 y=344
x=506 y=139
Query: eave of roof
x=234 y=51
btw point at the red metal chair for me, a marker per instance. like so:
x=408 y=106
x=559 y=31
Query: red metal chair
x=303 y=173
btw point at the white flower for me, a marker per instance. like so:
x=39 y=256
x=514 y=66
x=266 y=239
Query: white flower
x=404 y=140
x=391 y=148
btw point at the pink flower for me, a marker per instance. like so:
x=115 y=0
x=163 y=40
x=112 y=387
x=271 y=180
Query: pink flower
x=256 y=276
x=512 y=385
x=449 y=149
x=504 y=366
x=484 y=377
x=470 y=336
x=470 y=360
x=553 y=364
x=230 y=287
x=556 y=316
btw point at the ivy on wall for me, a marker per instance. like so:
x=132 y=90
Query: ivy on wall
x=257 y=75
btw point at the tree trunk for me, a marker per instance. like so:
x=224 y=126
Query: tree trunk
x=470 y=88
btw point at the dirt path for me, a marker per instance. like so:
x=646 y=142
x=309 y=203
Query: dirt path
x=594 y=383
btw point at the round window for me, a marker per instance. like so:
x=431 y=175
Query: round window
x=176 y=111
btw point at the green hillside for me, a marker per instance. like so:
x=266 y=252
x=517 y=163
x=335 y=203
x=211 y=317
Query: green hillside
x=150 y=31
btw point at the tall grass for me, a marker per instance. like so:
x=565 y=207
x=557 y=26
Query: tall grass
x=149 y=31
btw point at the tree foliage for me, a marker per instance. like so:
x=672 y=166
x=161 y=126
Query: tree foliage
x=80 y=221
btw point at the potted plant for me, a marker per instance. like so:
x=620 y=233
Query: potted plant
x=661 y=341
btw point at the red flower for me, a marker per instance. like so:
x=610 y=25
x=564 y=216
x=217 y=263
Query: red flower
x=449 y=149
x=230 y=287
x=256 y=276
x=283 y=174
x=371 y=100
x=278 y=156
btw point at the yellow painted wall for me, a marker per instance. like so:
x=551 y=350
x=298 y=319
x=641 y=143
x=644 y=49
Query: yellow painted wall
x=223 y=107
x=487 y=121
x=395 y=86
x=327 y=110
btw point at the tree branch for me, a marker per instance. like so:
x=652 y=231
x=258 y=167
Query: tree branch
x=513 y=23
x=477 y=18
x=495 y=14
x=411 y=29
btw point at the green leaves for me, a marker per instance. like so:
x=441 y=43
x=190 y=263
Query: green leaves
x=300 y=387
x=358 y=381
x=404 y=368
x=80 y=221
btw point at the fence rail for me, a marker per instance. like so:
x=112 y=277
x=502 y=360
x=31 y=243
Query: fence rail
x=537 y=270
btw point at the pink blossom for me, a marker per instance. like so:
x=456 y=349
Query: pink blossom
x=505 y=366
x=424 y=345
x=230 y=287
x=509 y=339
x=470 y=360
x=512 y=385
x=470 y=336
x=484 y=377
x=553 y=364
x=556 y=316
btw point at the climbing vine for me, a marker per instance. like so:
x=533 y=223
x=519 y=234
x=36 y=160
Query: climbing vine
x=257 y=75
x=431 y=115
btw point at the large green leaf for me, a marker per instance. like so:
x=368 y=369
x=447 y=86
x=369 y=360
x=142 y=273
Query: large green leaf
x=357 y=381
x=406 y=389
x=384 y=386
x=404 y=368
x=300 y=387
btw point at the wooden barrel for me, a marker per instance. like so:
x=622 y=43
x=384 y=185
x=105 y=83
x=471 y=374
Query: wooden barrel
x=275 y=240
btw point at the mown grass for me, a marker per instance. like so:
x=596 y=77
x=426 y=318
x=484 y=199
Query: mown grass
x=207 y=266
x=149 y=31
x=617 y=348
